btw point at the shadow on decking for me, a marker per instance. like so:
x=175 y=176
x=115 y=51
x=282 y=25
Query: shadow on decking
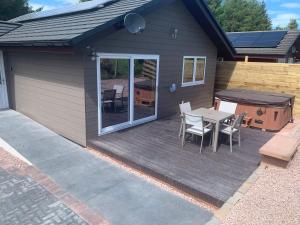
x=155 y=149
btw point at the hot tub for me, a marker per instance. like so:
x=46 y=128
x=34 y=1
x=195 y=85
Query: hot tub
x=144 y=92
x=265 y=110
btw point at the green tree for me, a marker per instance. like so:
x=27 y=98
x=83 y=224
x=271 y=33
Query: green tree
x=216 y=8
x=241 y=15
x=13 y=8
x=293 y=24
x=279 y=28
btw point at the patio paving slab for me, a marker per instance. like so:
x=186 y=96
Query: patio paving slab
x=120 y=197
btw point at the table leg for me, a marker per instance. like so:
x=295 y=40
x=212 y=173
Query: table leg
x=216 y=137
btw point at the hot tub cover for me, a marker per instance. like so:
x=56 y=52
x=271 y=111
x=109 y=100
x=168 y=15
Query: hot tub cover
x=256 y=97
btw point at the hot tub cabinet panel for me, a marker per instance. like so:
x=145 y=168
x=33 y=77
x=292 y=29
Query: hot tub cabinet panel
x=268 y=111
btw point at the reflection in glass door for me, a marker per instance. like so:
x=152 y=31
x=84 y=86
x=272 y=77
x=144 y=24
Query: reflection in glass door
x=144 y=88
x=115 y=91
x=127 y=90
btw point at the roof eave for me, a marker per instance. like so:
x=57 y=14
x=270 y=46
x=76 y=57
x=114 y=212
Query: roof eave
x=51 y=43
x=259 y=55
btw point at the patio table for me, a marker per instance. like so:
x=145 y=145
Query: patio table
x=215 y=117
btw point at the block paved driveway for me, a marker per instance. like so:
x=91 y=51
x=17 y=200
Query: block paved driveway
x=24 y=201
x=120 y=197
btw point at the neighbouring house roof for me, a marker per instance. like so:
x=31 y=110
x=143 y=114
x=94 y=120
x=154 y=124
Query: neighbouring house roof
x=71 y=28
x=6 y=27
x=282 y=48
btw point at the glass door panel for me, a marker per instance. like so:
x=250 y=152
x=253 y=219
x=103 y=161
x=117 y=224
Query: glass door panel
x=145 y=71
x=115 y=91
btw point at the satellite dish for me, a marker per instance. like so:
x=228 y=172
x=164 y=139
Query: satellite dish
x=134 y=23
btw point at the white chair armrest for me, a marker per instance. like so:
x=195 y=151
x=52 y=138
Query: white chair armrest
x=208 y=125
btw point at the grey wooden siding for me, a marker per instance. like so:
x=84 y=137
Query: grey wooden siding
x=49 y=88
x=191 y=41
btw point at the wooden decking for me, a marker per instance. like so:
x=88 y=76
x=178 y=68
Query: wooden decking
x=155 y=149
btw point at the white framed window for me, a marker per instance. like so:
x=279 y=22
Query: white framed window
x=193 y=70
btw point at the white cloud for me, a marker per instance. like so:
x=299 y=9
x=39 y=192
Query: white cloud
x=73 y=2
x=36 y=6
x=291 y=5
x=275 y=12
x=284 y=18
x=52 y=4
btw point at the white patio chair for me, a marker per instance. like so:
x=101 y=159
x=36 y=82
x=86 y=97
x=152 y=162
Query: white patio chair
x=108 y=98
x=119 y=93
x=230 y=130
x=184 y=107
x=194 y=125
x=228 y=107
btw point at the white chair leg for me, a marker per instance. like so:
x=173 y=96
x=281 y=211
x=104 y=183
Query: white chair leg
x=202 y=137
x=230 y=142
x=180 y=130
x=212 y=138
x=183 y=139
x=239 y=139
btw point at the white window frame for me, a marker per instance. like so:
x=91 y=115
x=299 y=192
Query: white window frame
x=194 y=82
x=4 y=104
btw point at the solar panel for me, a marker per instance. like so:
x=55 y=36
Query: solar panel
x=83 y=6
x=269 y=39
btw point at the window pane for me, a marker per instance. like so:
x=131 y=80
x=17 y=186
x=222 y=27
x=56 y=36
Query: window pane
x=200 y=69
x=188 y=70
x=144 y=88
x=114 y=91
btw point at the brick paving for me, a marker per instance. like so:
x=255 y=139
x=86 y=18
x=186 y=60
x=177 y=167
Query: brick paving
x=29 y=197
x=24 y=201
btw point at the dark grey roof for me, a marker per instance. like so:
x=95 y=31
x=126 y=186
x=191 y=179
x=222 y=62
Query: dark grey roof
x=80 y=7
x=282 y=49
x=6 y=27
x=62 y=29
x=70 y=29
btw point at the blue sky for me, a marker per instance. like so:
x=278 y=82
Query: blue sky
x=280 y=11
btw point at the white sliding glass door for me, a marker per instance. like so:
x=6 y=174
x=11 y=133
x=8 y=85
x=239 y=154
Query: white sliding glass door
x=127 y=90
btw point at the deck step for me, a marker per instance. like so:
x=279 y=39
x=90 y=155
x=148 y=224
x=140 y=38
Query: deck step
x=282 y=147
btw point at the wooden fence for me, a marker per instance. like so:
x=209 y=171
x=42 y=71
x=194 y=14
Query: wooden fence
x=274 y=77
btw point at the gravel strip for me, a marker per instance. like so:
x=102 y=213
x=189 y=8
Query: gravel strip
x=273 y=199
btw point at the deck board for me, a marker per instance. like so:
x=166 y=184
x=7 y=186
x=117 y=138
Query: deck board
x=155 y=148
